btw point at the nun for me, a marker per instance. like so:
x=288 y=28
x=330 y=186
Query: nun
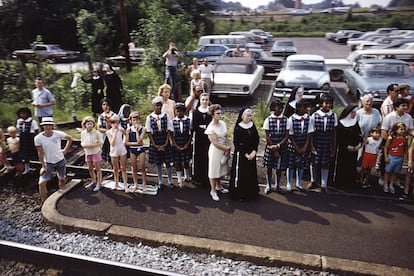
x=349 y=141
x=243 y=182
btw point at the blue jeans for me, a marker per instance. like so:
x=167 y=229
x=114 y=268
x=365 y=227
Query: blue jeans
x=171 y=76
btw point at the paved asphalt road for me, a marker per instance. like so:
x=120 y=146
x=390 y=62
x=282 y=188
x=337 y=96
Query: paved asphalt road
x=366 y=229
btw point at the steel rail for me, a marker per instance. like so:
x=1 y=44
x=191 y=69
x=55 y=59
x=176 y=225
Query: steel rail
x=72 y=263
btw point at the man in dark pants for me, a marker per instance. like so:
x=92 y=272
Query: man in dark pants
x=171 y=61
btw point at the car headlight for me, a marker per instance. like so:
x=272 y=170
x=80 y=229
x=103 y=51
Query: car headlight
x=280 y=84
x=245 y=88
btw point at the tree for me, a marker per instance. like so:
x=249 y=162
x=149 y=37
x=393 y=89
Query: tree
x=95 y=34
x=158 y=30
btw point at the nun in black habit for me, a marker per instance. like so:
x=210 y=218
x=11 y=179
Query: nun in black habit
x=243 y=182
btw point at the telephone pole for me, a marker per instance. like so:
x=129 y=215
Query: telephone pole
x=125 y=34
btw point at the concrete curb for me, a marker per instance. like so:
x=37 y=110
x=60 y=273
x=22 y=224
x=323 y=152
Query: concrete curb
x=255 y=254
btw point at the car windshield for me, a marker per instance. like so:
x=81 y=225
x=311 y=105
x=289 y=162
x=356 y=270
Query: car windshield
x=232 y=68
x=305 y=65
x=285 y=43
x=382 y=70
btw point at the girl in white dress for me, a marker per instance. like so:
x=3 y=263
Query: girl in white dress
x=219 y=147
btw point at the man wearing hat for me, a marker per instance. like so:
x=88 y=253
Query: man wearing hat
x=51 y=156
x=42 y=100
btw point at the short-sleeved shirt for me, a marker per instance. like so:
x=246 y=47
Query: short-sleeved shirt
x=171 y=60
x=158 y=118
x=41 y=97
x=89 y=138
x=52 y=151
x=373 y=145
x=393 y=118
x=206 y=71
x=387 y=106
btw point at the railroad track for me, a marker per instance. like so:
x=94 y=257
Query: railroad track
x=71 y=264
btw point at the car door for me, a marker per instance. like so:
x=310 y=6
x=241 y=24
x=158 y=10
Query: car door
x=41 y=52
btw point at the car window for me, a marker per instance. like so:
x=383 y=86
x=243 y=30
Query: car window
x=232 y=68
x=55 y=48
x=305 y=65
x=387 y=70
x=40 y=48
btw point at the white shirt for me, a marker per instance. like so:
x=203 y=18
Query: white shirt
x=206 y=71
x=148 y=122
x=373 y=145
x=34 y=126
x=266 y=125
x=90 y=138
x=302 y=123
x=325 y=120
x=52 y=151
x=391 y=119
x=14 y=144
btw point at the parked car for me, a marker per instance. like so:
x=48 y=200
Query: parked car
x=372 y=76
x=236 y=77
x=262 y=34
x=46 y=52
x=300 y=12
x=251 y=37
x=270 y=64
x=339 y=33
x=283 y=48
x=210 y=51
x=134 y=56
x=407 y=46
x=308 y=71
x=342 y=39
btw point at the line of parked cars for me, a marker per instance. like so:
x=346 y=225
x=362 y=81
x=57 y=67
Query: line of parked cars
x=381 y=38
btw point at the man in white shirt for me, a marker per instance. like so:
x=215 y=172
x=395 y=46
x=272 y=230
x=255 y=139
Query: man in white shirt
x=51 y=156
x=387 y=105
x=171 y=61
x=207 y=75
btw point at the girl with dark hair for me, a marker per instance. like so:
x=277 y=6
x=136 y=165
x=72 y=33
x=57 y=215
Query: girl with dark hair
x=323 y=140
x=28 y=128
x=349 y=141
x=103 y=125
x=277 y=134
x=298 y=145
x=243 y=181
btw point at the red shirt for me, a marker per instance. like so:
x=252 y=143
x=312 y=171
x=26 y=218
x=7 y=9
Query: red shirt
x=397 y=146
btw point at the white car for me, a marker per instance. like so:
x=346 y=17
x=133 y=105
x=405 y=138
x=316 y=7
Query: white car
x=308 y=71
x=236 y=76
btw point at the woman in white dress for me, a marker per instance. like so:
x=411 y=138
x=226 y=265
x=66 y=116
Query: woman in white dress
x=219 y=147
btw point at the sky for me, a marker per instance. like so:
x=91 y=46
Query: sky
x=363 y=3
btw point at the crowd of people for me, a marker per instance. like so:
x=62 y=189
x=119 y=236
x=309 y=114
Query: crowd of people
x=192 y=140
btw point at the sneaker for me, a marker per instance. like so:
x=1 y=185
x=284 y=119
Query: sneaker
x=268 y=190
x=214 y=196
x=299 y=187
x=90 y=185
x=398 y=184
x=222 y=190
x=160 y=187
x=392 y=189
x=381 y=182
x=97 y=188
x=289 y=188
x=404 y=196
x=385 y=189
